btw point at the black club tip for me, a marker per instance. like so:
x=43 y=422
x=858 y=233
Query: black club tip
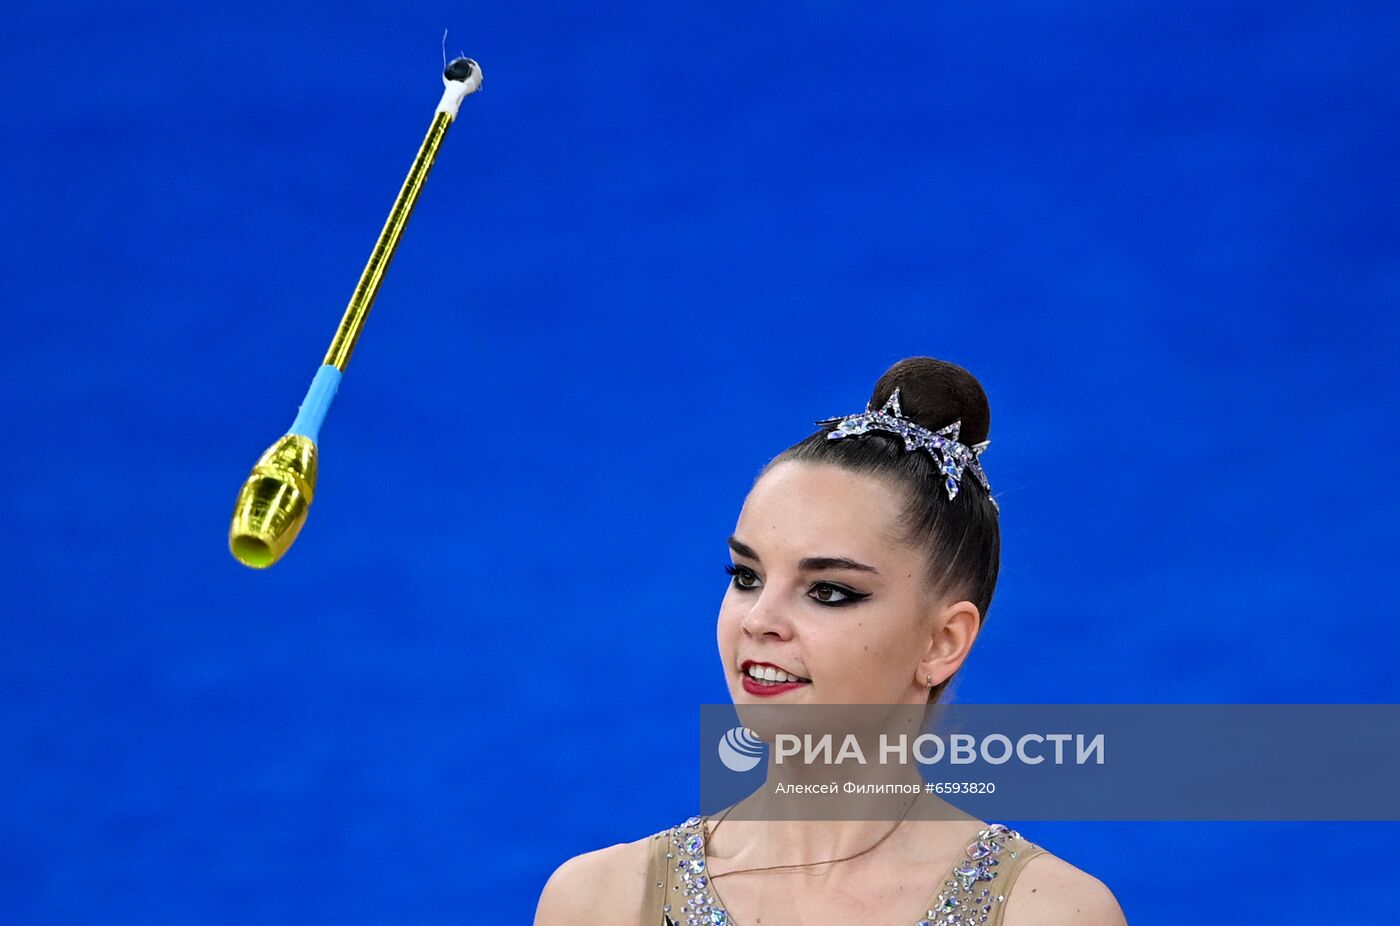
x=460 y=69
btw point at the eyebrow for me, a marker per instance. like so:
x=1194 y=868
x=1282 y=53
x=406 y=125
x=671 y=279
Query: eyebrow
x=809 y=563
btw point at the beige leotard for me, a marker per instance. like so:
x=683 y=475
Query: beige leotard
x=973 y=892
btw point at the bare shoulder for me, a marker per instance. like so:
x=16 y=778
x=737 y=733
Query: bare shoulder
x=600 y=886
x=1051 y=891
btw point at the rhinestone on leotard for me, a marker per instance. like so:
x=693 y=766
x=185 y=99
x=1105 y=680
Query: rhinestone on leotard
x=961 y=900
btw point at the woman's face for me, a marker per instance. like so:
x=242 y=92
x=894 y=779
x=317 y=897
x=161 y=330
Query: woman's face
x=827 y=597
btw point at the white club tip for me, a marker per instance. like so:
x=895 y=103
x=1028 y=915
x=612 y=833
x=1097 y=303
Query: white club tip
x=460 y=79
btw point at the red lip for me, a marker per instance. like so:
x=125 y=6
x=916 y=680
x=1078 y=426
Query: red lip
x=754 y=687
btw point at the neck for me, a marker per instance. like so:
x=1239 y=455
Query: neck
x=817 y=811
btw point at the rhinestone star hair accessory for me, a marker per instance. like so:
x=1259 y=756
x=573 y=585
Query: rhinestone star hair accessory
x=951 y=455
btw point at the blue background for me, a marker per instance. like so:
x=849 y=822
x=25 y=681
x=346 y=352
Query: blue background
x=661 y=242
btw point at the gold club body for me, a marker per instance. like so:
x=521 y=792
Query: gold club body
x=273 y=504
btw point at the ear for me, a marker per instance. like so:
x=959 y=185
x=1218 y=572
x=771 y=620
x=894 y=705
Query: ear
x=951 y=635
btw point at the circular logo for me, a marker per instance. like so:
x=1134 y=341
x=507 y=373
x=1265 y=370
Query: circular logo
x=740 y=749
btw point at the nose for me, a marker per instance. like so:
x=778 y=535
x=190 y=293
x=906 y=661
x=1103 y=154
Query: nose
x=766 y=618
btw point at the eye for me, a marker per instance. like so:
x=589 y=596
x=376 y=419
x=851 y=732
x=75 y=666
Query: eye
x=744 y=577
x=834 y=595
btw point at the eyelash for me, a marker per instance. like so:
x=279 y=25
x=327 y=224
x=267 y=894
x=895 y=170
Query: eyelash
x=851 y=597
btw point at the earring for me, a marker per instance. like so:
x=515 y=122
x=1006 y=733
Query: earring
x=928 y=680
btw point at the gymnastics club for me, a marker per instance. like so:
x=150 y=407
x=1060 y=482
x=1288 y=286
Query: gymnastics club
x=273 y=503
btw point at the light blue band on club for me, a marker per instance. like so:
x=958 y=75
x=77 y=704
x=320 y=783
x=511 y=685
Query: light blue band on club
x=317 y=402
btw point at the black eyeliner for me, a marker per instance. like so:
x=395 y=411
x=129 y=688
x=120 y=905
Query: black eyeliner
x=852 y=596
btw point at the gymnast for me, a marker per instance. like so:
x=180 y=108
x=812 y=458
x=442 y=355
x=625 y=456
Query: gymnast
x=863 y=563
